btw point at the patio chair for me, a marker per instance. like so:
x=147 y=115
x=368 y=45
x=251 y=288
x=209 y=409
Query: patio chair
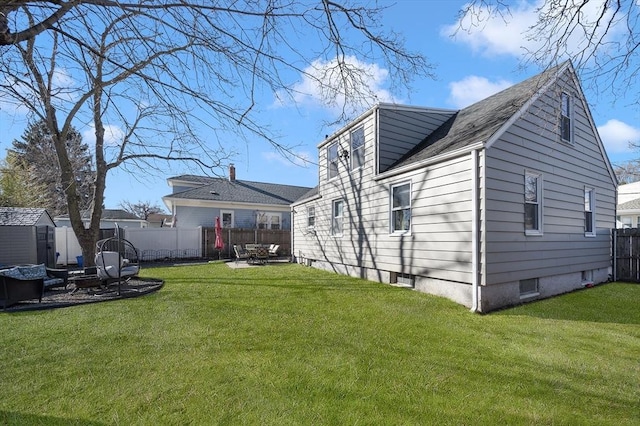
x=240 y=253
x=116 y=259
x=273 y=250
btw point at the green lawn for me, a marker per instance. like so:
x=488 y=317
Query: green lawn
x=288 y=345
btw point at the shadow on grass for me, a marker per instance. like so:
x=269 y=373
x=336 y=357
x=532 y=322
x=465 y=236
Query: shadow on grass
x=606 y=303
x=11 y=418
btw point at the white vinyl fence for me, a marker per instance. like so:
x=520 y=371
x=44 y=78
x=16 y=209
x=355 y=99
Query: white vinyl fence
x=152 y=243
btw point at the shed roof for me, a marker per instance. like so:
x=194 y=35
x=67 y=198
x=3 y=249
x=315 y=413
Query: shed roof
x=22 y=216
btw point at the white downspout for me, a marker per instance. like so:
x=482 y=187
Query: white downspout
x=293 y=212
x=474 y=230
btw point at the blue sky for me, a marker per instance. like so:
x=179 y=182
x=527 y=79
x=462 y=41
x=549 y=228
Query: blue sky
x=468 y=67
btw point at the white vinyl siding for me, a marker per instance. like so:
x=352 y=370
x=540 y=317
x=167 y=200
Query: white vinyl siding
x=531 y=143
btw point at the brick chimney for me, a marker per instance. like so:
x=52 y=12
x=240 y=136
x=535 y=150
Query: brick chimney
x=232 y=173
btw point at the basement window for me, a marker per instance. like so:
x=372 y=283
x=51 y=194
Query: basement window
x=529 y=288
x=403 y=280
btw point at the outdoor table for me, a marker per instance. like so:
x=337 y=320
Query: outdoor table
x=85 y=281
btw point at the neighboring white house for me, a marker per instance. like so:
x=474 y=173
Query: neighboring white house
x=109 y=219
x=508 y=200
x=628 y=209
x=198 y=200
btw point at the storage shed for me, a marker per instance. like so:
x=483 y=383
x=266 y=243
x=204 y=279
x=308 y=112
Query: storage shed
x=26 y=237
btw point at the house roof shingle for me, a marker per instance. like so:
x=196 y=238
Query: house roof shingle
x=479 y=121
x=21 y=216
x=239 y=191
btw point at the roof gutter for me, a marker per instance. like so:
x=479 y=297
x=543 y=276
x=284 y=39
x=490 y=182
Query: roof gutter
x=475 y=214
x=429 y=161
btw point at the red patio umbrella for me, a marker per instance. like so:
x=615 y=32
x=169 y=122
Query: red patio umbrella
x=219 y=242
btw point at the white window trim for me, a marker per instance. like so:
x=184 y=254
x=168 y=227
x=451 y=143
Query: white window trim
x=233 y=217
x=593 y=232
x=571 y=119
x=392 y=231
x=539 y=188
x=333 y=232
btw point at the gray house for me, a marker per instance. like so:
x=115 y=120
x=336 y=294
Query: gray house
x=26 y=237
x=508 y=200
x=198 y=200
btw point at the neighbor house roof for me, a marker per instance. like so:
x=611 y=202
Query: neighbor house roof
x=238 y=191
x=21 y=216
x=629 y=205
x=107 y=214
x=478 y=122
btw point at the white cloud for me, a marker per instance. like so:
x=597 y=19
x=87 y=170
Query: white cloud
x=492 y=34
x=322 y=85
x=113 y=135
x=617 y=135
x=472 y=89
x=301 y=158
x=509 y=32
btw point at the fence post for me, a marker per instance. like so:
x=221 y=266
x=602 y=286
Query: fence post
x=615 y=263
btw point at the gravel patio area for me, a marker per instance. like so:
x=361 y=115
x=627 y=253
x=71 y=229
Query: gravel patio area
x=70 y=296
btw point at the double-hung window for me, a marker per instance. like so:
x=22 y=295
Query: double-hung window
x=227 y=218
x=311 y=216
x=268 y=220
x=357 y=148
x=332 y=160
x=401 y=208
x=589 y=212
x=337 y=214
x=533 y=203
x=566 y=124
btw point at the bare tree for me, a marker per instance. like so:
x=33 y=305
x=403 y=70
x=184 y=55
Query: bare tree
x=601 y=38
x=142 y=209
x=173 y=75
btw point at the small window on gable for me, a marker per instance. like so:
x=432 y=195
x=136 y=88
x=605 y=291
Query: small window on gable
x=357 y=148
x=533 y=203
x=311 y=216
x=566 y=123
x=332 y=160
x=589 y=212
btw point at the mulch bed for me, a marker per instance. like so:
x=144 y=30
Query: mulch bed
x=69 y=296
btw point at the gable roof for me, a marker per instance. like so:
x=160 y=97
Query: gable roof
x=238 y=191
x=478 y=122
x=21 y=216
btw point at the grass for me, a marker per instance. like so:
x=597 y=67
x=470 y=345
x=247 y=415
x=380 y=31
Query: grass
x=288 y=345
